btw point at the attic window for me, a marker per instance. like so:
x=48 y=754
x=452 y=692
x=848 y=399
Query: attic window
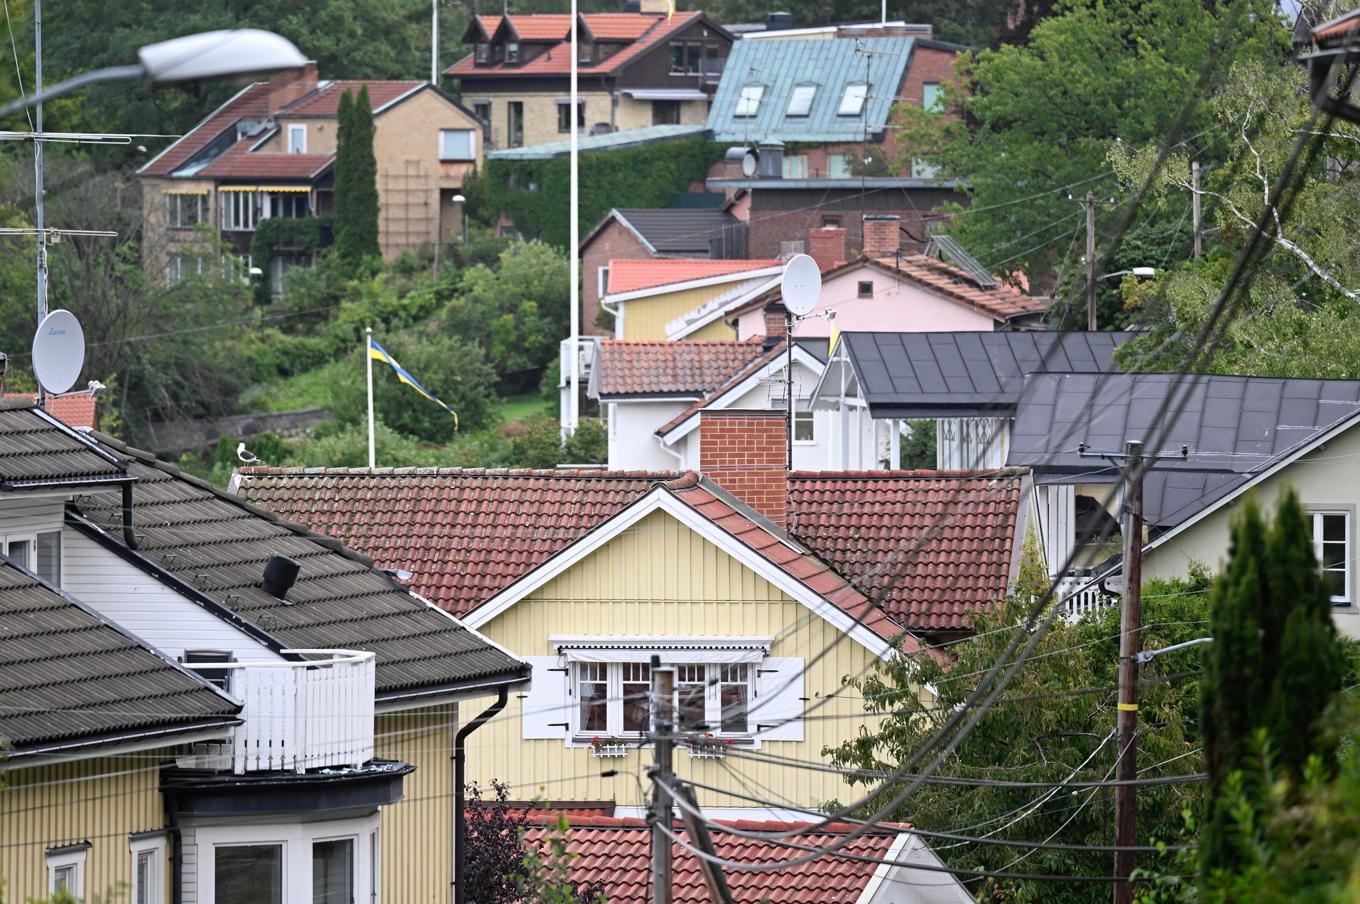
x=512 y=51
x=483 y=52
x=800 y=103
x=852 y=102
x=866 y=288
x=749 y=101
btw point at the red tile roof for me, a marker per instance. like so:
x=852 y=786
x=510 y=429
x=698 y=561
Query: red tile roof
x=655 y=367
x=1342 y=26
x=617 y=26
x=615 y=853
x=951 y=532
x=489 y=24
x=543 y=27
x=251 y=103
x=325 y=100
x=1001 y=302
x=237 y=162
x=76 y=410
x=632 y=275
x=733 y=381
x=557 y=61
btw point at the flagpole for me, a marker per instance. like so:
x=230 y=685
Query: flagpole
x=368 y=361
x=574 y=405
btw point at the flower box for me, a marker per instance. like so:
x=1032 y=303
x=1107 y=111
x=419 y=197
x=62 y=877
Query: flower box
x=607 y=747
x=708 y=747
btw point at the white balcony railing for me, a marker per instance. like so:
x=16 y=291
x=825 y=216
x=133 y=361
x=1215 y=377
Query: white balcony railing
x=1078 y=596
x=297 y=716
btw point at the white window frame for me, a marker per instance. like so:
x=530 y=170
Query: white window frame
x=297 y=138
x=748 y=101
x=1315 y=518
x=801 y=100
x=356 y=841
x=296 y=840
x=614 y=698
x=471 y=137
x=29 y=537
x=795 y=166
x=602 y=280
x=175 y=205
x=853 y=100
x=154 y=847
x=804 y=416
x=70 y=857
x=240 y=210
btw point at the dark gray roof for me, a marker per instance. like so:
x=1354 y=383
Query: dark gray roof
x=67 y=675
x=219 y=545
x=964 y=374
x=1234 y=427
x=37 y=450
x=678 y=231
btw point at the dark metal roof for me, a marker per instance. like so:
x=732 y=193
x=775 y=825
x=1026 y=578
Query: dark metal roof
x=219 y=545
x=965 y=374
x=678 y=231
x=38 y=450
x=1233 y=428
x=67 y=675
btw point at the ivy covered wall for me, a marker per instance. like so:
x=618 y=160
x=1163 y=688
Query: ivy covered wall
x=536 y=193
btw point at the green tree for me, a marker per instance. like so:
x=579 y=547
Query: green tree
x=1053 y=724
x=1045 y=115
x=356 y=180
x=1274 y=667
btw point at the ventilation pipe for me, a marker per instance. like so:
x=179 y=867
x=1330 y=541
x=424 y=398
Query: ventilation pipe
x=280 y=573
x=128 y=536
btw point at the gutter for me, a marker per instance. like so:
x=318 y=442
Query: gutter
x=459 y=795
x=132 y=737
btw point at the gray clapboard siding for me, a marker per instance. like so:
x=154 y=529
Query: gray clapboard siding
x=31 y=514
x=142 y=605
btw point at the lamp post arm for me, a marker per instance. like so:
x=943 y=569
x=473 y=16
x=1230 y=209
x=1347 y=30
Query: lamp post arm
x=75 y=83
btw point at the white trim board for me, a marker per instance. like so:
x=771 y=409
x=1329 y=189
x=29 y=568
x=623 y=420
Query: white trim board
x=668 y=288
x=720 y=402
x=664 y=499
x=681 y=326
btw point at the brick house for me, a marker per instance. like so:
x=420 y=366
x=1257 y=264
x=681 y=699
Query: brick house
x=635 y=70
x=835 y=95
x=269 y=152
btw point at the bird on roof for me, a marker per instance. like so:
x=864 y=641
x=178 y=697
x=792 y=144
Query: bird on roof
x=245 y=454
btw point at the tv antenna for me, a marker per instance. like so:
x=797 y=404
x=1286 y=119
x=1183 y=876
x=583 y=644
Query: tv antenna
x=799 y=288
x=58 y=352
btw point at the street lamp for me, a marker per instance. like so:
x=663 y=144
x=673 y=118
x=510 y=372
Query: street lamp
x=208 y=55
x=1141 y=272
x=462 y=208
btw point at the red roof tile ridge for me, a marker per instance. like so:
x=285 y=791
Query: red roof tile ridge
x=681 y=343
x=548 y=816
x=914 y=474
x=526 y=473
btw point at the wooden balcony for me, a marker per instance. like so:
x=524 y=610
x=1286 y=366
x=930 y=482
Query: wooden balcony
x=298 y=716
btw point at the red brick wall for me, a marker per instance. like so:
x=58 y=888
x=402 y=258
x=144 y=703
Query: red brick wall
x=746 y=453
x=882 y=236
x=826 y=246
x=614 y=242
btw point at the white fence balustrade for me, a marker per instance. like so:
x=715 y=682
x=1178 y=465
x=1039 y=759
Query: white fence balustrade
x=1077 y=597
x=299 y=715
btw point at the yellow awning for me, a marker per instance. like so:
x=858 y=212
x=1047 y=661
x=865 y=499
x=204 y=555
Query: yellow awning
x=186 y=191
x=295 y=188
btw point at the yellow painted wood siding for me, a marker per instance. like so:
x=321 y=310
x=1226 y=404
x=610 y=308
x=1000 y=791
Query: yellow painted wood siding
x=417 y=857
x=646 y=318
x=661 y=578
x=101 y=801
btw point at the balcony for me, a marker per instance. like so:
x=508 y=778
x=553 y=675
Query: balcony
x=298 y=715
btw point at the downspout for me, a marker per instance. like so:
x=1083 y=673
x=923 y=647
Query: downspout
x=459 y=796
x=128 y=536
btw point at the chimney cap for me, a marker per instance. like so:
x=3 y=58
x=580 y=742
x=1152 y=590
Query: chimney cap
x=280 y=573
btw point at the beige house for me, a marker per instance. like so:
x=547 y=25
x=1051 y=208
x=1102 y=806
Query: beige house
x=635 y=69
x=269 y=152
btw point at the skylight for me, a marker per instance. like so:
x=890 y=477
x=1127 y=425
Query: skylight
x=800 y=104
x=852 y=102
x=749 y=102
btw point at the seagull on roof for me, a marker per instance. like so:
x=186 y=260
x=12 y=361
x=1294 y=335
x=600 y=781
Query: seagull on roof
x=245 y=454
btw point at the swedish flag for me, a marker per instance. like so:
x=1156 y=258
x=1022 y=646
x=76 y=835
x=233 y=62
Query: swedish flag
x=378 y=353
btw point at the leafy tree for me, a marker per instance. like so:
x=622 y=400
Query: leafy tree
x=356 y=175
x=918 y=452
x=1045 y=115
x=1274 y=667
x=1055 y=724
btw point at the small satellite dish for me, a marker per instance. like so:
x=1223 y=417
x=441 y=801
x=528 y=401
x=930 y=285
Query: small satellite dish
x=801 y=285
x=58 y=351
x=749 y=164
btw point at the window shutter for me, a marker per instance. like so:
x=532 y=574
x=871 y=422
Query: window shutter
x=546 y=707
x=779 y=699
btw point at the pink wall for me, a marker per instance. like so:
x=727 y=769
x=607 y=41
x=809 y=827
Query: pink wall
x=896 y=307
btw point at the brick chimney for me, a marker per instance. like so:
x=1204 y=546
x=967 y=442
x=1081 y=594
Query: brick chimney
x=289 y=85
x=746 y=453
x=882 y=235
x=827 y=246
x=775 y=315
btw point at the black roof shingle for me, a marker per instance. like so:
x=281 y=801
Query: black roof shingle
x=41 y=451
x=678 y=230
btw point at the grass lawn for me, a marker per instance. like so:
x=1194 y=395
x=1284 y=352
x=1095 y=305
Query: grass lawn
x=518 y=407
x=310 y=389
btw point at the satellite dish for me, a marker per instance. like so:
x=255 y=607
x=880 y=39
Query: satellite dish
x=58 y=351
x=801 y=285
x=749 y=164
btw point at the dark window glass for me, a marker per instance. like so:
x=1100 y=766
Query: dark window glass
x=333 y=872
x=592 y=690
x=248 y=874
x=637 y=684
x=665 y=112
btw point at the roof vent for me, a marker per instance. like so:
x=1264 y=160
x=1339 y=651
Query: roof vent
x=280 y=572
x=778 y=20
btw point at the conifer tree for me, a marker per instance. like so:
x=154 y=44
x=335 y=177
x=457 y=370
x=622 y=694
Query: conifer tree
x=1274 y=666
x=356 y=181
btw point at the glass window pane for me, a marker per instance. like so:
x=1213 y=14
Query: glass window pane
x=1334 y=555
x=803 y=427
x=146 y=877
x=749 y=101
x=689 y=698
x=734 y=692
x=800 y=103
x=1334 y=528
x=455 y=144
x=852 y=102
x=21 y=551
x=333 y=872
x=932 y=98
x=593 y=692
x=248 y=874
x=637 y=684
x=1335 y=582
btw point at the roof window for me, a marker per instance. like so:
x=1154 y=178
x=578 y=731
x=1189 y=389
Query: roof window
x=749 y=101
x=852 y=102
x=800 y=103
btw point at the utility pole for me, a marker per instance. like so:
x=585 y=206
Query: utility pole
x=1130 y=644
x=39 y=188
x=663 y=724
x=1195 y=210
x=1090 y=205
